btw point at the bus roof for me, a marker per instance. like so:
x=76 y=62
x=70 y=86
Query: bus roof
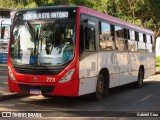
x=94 y=13
x=114 y=20
x=50 y=7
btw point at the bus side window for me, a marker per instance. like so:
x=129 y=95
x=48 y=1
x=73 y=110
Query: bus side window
x=119 y=38
x=89 y=39
x=106 y=40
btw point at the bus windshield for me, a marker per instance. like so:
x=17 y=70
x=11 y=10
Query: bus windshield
x=43 y=42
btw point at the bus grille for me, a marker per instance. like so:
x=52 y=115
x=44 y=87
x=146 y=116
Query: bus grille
x=37 y=71
x=44 y=89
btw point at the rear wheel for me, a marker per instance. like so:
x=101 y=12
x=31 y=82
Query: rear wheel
x=139 y=82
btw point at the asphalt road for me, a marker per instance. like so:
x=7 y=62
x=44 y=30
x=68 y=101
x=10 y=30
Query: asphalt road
x=124 y=101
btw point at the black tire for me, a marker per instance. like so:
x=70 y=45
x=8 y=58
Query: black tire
x=139 y=82
x=100 y=89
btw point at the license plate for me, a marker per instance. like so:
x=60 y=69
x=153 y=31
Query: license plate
x=35 y=92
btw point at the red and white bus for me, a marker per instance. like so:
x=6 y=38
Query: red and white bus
x=74 y=51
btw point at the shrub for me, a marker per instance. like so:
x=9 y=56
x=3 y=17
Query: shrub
x=158 y=61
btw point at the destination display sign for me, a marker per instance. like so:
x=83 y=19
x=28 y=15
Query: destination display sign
x=45 y=14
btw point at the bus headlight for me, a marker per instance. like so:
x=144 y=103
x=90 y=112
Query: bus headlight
x=67 y=76
x=11 y=74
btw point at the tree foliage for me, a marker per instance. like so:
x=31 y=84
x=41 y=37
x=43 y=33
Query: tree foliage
x=153 y=15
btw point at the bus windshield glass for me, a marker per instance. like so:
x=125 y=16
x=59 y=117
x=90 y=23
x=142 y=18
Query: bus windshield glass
x=43 y=41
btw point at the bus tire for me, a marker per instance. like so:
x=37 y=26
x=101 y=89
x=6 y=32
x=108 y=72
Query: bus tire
x=100 y=89
x=139 y=82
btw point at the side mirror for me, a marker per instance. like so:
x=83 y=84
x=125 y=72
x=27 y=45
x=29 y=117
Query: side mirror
x=2 y=32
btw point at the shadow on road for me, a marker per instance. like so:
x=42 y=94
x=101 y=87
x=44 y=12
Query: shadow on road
x=123 y=98
x=123 y=93
x=12 y=97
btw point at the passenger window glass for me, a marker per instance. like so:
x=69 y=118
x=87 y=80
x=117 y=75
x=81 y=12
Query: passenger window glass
x=136 y=36
x=105 y=28
x=119 y=40
x=148 y=39
x=89 y=39
x=132 y=34
x=144 y=38
x=132 y=45
x=119 y=32
x=126 y=36
x=140 y=37
x=106 y=41
x=141 y=47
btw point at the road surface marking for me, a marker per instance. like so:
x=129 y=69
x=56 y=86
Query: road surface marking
x=145 y=98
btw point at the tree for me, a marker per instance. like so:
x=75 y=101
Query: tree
x=153 y=9
x=149 y=16
x=114 y=10
x=129 y=9
x=100 y=5
x=13 y=4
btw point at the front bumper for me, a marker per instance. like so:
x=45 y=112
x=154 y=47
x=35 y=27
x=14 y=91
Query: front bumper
x=69 y=88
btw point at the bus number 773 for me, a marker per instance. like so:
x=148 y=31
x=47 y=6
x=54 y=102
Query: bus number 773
x=50 y=79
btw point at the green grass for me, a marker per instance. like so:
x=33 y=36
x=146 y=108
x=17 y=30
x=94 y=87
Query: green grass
x=158 y=61
x=157 y=64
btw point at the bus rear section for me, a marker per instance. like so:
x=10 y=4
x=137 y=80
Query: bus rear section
x=42 y=54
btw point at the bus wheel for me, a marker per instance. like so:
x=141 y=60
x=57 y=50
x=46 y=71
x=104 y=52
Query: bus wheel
x=139 y=82
x=100 y=88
